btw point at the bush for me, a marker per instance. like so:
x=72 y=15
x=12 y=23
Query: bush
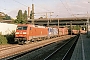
x=76 y=27
x=10 y=37
x=3 y=39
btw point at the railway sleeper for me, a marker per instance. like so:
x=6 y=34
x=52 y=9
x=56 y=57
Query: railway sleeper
x=46 y=38
x=21 y=42
x=32 y=40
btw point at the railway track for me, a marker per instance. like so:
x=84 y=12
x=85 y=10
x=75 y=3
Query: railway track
x=9 y=47
x=15 y=56
x=57 y=51
x=64 y=52
x=2 y=46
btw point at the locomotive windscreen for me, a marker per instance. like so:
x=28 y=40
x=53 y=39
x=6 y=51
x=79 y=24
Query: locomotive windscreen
x=22 y=28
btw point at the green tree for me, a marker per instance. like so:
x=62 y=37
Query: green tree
x=19 y=21
x=2 y=15
x=25 y=15
x=77 y=27
x=3 y=39
x=21 y=17
x=7 y=17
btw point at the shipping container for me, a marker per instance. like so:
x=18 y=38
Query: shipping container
x=55 y=31
x=63 y=31
x=6 y=28
x=75 y=31
x=50 y=33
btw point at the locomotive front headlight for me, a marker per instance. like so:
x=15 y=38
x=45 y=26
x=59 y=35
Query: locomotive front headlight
x=24 y=33
x=17 y=33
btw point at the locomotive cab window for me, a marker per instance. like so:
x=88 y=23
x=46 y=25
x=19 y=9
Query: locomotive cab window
x=22 y=28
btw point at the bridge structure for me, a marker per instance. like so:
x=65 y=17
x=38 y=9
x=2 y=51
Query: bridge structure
x=56 y=21
x=60 y=21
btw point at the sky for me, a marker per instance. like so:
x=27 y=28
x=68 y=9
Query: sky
x=60 y=8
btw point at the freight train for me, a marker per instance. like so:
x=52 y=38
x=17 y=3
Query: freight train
x=31 y=33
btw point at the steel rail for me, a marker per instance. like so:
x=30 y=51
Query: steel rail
x=70 y=49
x=9 y=47
x=57 y=49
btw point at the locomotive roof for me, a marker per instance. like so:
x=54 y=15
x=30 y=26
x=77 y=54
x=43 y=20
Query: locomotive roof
x=31 y=25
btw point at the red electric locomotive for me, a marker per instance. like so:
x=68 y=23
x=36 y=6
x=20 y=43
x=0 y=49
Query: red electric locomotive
x=27 y=32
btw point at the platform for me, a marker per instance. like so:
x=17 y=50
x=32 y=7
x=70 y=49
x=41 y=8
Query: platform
x=82 y=49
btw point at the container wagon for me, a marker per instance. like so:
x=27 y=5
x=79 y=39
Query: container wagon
x=63 y=31
x=52 y=32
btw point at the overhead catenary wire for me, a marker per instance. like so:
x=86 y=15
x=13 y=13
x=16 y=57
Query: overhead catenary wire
x=20 y=3
x=32 y=3
x=69 y=10
x=65 y=6
x=42 y=7
x=27 y=6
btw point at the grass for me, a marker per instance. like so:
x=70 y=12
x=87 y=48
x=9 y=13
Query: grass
x=3 y=40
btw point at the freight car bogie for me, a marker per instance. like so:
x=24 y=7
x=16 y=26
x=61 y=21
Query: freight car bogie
x=42 y=38
x=20 y=40
x=25 y=41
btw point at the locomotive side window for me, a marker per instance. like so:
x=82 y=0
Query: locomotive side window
x=22 y=28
